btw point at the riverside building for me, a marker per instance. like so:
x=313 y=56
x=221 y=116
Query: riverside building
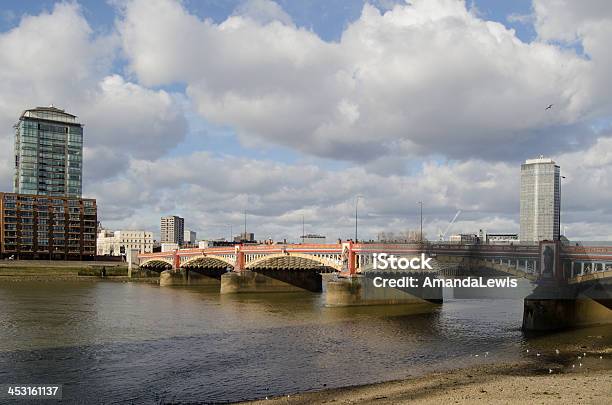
x=117 y=243
x=44 y=227
x=540 y=200
x=172 y=229
x=48 y=153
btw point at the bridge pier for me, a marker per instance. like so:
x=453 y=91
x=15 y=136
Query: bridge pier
x=359 y=290
x=185 y=277
x=553 y=314
x=248 y=281
x=555 y=306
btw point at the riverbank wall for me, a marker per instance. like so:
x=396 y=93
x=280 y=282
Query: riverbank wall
x=43 y=270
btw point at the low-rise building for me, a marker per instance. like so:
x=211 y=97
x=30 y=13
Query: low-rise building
x=245 y=237
x=205 y=244
x=502 y=238
x=464 y=238
x=117 y=243
x=44 y=227
x=169 y=247
x=312 y=238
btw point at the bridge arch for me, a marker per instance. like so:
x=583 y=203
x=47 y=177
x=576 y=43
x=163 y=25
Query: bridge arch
x=506 y=268
x=322 y=261
x=157 y=262
x=217 y=260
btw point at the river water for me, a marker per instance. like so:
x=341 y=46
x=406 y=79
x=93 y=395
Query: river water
x=112 y=342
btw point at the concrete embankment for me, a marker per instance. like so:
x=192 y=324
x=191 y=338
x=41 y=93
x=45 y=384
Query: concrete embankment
x=42 y=270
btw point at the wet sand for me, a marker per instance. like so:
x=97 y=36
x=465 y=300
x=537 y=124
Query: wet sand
x=530 y=381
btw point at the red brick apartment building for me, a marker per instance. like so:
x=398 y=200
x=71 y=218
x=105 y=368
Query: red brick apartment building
x=47 y=227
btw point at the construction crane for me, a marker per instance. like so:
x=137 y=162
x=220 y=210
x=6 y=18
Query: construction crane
x=443 y=235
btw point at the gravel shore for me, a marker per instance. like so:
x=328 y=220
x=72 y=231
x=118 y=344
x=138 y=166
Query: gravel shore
x=538 y=382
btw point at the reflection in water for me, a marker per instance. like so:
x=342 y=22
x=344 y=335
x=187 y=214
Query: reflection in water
x=140 y=343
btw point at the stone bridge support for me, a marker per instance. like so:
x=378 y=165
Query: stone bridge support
x=186 y=277
x=360 y=290
x=248 y=281
x=555 y=305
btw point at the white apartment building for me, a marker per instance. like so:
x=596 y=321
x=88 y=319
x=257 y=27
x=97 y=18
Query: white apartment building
x=172 y=229
x=117 y=243
x=169 y=247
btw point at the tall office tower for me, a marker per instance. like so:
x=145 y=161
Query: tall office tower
x=172 y=229
x=540 y=200
x=48 y=153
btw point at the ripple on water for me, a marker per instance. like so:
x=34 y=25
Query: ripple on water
x=142 y=343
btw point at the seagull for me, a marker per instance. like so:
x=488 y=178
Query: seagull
x=557 y=351
x=538 y=354
x=579 y=357
x=600 y=357
x=550 y=371
x=527 y=350
x=549 y=107
x=573 y=366
x=580 y=364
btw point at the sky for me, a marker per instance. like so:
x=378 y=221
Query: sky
x=292 y=109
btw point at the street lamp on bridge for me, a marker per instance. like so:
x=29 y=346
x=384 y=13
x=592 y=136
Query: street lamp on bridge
x=357 y=197
x=421 y=232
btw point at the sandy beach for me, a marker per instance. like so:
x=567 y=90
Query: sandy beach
x=524 y=382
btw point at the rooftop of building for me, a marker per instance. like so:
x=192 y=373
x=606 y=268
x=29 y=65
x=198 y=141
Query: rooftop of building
x=37 y=197
x=50 y=113
x=539 y=159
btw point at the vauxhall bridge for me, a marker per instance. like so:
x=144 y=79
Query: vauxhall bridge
x=573 y=284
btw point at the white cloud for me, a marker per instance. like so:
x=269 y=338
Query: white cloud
x=430 y=74
x=430 y=78
x=55 y=57
x=263 y=11
x=49 y=58
x=568 y=20
x=134 y=119
x=210 y=190
x=588 y=23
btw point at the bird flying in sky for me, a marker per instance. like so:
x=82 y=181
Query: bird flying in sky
x=549 y=107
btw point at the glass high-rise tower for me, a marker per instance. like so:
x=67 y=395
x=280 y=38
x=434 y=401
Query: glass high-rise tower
x=48 y=153
x=540 y=200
